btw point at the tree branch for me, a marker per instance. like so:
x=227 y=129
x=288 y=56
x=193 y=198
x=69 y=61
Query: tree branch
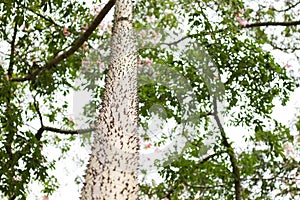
x=39 y=133
x=36 y=106
x=12 y=51
x=69 y=132
x=177 y=41
x=77 y=44
x=45 y=18
x=230 y=152
x=210 y=157
x=290 y=49
x=289 y=7
x=203 y=186
x=258 y=24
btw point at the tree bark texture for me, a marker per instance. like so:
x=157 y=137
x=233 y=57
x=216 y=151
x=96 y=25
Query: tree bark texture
x=113 y=166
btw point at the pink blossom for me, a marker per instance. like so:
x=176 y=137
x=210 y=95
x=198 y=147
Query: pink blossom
x=70 y=118
x=83 y=62
x=148 y=158
x=289 y=149
x=23 y=27
x=287 y=65
x=101 y=25
x=85 y=47
x=243 y=22
x=148 y=63
x=98 y=8
x=154 y=33
x=149 y=19
x=109 y=27
x=140 y=63
x=102 y=65
x=45 y=197
x=143 y=32
x=66 y=32
x=242 y=11
x=147 y=146
x=85 y=27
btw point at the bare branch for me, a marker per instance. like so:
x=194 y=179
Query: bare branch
x=77 y=44
x=39 y=133
x=210 y=157
x=45 y=18
x=177 y=41
x=230 y=152
x=289 y=7
x=69 y=132
x=258 y=24
x=290 y=49
x=36 y=106
x=12 y=51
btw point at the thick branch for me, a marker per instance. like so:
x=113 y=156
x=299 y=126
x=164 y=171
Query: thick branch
x=77 y=44
x=258 y=24
x=230 y=152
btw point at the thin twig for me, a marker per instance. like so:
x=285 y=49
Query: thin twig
x=289 y=7
x=12 y=51
x=76 y=45
x=176 y=42
x=36 y=106
x=45 y=18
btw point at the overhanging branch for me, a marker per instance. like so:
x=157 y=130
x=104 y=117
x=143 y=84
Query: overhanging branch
x=77 y=44
x=41 y=130
x=69 y=132
x=259 y=24
x=230 y=152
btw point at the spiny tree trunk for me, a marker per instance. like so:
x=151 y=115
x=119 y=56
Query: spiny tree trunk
x=113 y=165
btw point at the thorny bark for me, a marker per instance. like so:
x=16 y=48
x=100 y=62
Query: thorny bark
x=113 y=165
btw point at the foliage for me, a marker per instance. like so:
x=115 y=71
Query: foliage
x=252 y=79
x=35 y=32
x=209 y=45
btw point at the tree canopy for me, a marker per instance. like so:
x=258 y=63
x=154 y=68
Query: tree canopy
x=205 y=65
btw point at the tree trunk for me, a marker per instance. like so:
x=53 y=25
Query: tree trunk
x=113 y=165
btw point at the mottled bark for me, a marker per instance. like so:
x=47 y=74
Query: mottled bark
x=113 y=165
